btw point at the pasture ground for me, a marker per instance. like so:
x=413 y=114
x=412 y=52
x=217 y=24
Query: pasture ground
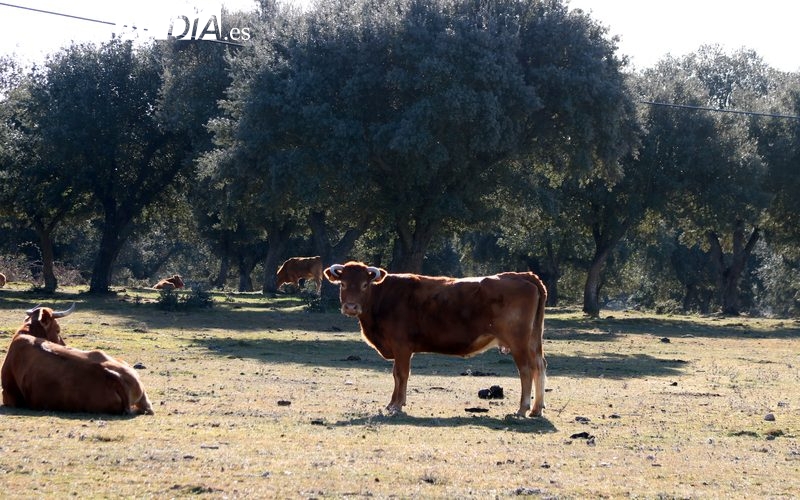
x=256 y=398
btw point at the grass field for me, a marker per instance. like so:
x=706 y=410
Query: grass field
x=256 y=398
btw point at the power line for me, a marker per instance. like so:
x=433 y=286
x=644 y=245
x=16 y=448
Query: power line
x=80 y=18
x=718 y=110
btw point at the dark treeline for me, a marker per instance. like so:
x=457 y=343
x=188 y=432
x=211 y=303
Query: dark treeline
x=440 y=136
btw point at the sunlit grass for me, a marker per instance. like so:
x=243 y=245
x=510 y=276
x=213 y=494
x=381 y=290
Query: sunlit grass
x=258 y=398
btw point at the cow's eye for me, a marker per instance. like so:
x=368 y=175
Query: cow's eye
x=343 y=285
x=364 y=285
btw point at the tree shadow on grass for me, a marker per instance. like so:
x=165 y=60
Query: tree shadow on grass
x=349 y=351
x=24 y=299
x=614 y=366
x=513 y=423
x=611 y=328
x=255 y=312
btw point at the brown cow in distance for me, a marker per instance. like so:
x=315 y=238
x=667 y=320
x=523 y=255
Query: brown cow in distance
x=403 y=314
x=41 y=373
x=172 y=283
x=2 y=280
x=297 y=268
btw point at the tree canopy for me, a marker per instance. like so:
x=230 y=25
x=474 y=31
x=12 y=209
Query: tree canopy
x=442 y=136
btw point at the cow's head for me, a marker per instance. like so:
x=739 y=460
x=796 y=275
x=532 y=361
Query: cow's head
x=283 y=276
x=41 y=322
x=355 y=281
x=177 y=281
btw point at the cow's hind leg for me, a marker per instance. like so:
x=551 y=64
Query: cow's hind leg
x=523 y=363
x=12 y=396
x=539 y=364
x=401 y=370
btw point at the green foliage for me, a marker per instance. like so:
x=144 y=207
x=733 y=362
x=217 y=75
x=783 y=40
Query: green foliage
x=450 y=137
x=389 y=96
x=174 y=300
x=316 y=304
x=168 y=300
x=778 y=286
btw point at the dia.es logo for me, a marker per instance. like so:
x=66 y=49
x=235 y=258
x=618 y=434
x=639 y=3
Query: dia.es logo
x=204 y=24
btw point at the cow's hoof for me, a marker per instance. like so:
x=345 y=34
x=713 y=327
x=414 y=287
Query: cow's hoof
x=392 y=410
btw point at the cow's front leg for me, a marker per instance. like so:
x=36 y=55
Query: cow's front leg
x=401 y=370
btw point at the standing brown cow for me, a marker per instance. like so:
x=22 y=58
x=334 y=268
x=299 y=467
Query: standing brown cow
x=403 y=314
x=41 y=373
x=297 y=268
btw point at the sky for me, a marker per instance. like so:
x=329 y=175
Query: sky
x=648 y=30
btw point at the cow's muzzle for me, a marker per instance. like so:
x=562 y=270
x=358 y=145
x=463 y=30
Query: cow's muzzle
x=351 y=309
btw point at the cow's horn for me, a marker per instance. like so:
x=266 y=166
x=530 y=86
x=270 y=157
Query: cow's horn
x=337 y=269
x=61 y=314
x=375 y=271
x=33 y=309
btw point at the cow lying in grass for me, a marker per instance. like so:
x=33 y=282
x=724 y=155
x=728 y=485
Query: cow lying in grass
x=172 y=283
x=41 y=373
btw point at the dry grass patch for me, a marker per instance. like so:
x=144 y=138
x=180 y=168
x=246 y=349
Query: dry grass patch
x=257 y=398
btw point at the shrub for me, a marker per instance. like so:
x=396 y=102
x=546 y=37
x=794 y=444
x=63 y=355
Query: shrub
x=199 y=298
x=167 y=300
x=196 y=298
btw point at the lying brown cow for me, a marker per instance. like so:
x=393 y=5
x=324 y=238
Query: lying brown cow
x=172 y=283
x=2 y=280
x=403 y=314
x=297 y=268
x=41 y=373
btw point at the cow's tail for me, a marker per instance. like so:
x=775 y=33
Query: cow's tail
x=538 y=324
x=537 y=349
x=539 y=319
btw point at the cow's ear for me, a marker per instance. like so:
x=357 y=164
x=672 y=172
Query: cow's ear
x=45 y=316
x=41 y=318
x=333 y=273
x=376 y=274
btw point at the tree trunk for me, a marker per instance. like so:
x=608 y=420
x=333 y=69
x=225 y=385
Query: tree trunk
x=728 y=277
x=277 y=241
x=549 y=272
x=689 y=297
x=224 y=269
x=330 y=252
x=110 y=245
x=48 y=264
x=114 y=234
x=48 y=256
x=604 y=243
x=594 y=282
x=410 y=246
x=245 y=276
